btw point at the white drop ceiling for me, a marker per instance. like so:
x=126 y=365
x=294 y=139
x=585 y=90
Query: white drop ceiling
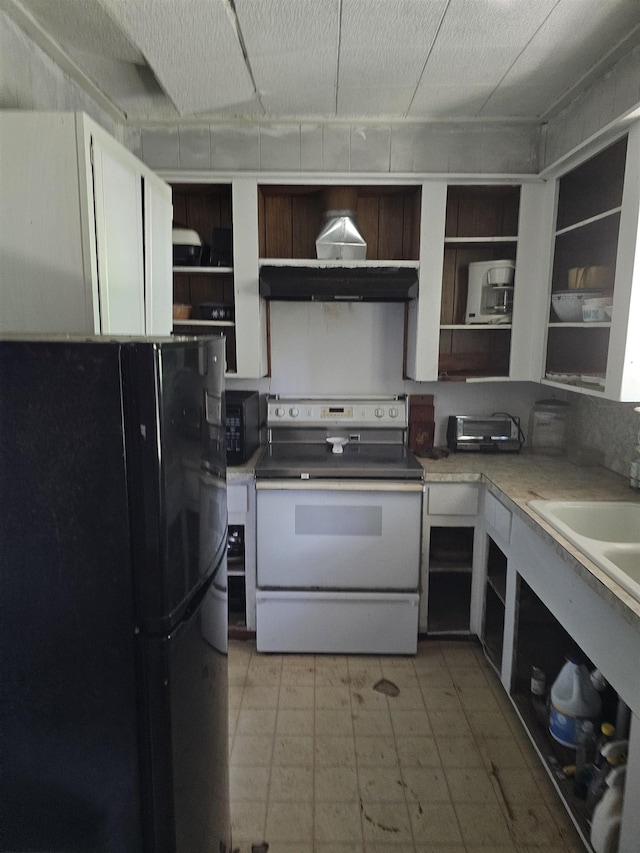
x=282 y=60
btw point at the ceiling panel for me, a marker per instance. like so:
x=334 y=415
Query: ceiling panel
x=293 y=50
x=368 y=101
x=315 y=59
x=84 y=28
x=192 y=47
x=479 y=40
x=386 y=44
x=450 y=100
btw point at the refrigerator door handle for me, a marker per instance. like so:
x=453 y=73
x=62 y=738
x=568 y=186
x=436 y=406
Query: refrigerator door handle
x=201 y=594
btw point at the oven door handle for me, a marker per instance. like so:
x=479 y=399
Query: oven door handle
x=294 y=484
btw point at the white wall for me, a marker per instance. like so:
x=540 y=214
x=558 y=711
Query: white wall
x=336 y=348
x=30 y=80
x=357 y=349
x=596 y=109
x=501 y=147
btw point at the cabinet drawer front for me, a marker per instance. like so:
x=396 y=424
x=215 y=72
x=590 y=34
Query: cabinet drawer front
x=458 y=499
x=498 y=517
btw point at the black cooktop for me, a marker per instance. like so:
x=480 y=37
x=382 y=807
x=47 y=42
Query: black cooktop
x=357 y=461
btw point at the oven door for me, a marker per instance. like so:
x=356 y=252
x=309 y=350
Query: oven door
x=339 y=535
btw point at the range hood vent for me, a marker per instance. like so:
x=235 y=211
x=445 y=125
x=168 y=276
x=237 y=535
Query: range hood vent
x=339 y=284
x=340 y=237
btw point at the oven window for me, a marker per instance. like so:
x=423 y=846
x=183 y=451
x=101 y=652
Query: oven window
x=338 y=520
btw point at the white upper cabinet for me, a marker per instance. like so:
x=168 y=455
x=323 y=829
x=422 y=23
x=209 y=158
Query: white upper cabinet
x=219 y=293
x=462 y=225
x=594 y=252
x=85 y=231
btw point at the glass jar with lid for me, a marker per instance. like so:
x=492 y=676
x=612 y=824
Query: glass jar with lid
x=548 y=427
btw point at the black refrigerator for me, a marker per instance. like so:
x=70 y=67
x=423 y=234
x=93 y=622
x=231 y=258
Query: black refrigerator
x=113 y=530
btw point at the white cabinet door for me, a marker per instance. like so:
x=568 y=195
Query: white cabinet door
x=530 y=290
x=250 y=308
x=45 y=258
x=119 y=240
x=80 y=254
x=623 y=366
x=424 y=312
x=158 y=287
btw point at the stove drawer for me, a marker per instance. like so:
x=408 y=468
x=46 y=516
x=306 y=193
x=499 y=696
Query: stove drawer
x=346 y=539
x=337 y=622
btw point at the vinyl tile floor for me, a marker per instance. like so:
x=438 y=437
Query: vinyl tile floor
x=321 y=762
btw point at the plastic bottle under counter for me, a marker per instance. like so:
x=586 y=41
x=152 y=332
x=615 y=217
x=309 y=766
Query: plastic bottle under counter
x=573 y=700
x=607 y=817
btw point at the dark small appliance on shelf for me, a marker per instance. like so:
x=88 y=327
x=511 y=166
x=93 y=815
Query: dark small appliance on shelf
x=187 y=247
x=221 y=249
x=245 y=424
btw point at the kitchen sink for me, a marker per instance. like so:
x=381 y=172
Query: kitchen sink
x=607 y=532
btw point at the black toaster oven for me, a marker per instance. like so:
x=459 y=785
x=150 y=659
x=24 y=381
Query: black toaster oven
x=244 y=423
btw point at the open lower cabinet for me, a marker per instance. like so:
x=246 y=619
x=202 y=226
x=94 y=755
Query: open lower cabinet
x=542 y=642
x=538 y=608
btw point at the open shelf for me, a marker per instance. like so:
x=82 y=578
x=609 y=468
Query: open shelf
x=494 y=604
x=481 y=224
x=291 y=216
x=450 y=574
x=203 y=208
x=586 y=235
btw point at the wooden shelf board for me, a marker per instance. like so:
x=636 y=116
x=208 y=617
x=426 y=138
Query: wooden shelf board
x=599 y=217
x=203 y=270
x=472 y=377
x=470 y=240
x=605 y=324
x=203 y=323
x=586 y=388
x=474 y=327
x=499 y=588
x=442 y=568
x=319 y=264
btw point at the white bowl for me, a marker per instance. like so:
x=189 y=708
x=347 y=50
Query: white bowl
x=567 y=304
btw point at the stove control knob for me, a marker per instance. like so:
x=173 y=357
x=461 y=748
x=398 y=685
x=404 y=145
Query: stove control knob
x=294 y=412
x=379 y=413
x=393 y=413
x=279 y=412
